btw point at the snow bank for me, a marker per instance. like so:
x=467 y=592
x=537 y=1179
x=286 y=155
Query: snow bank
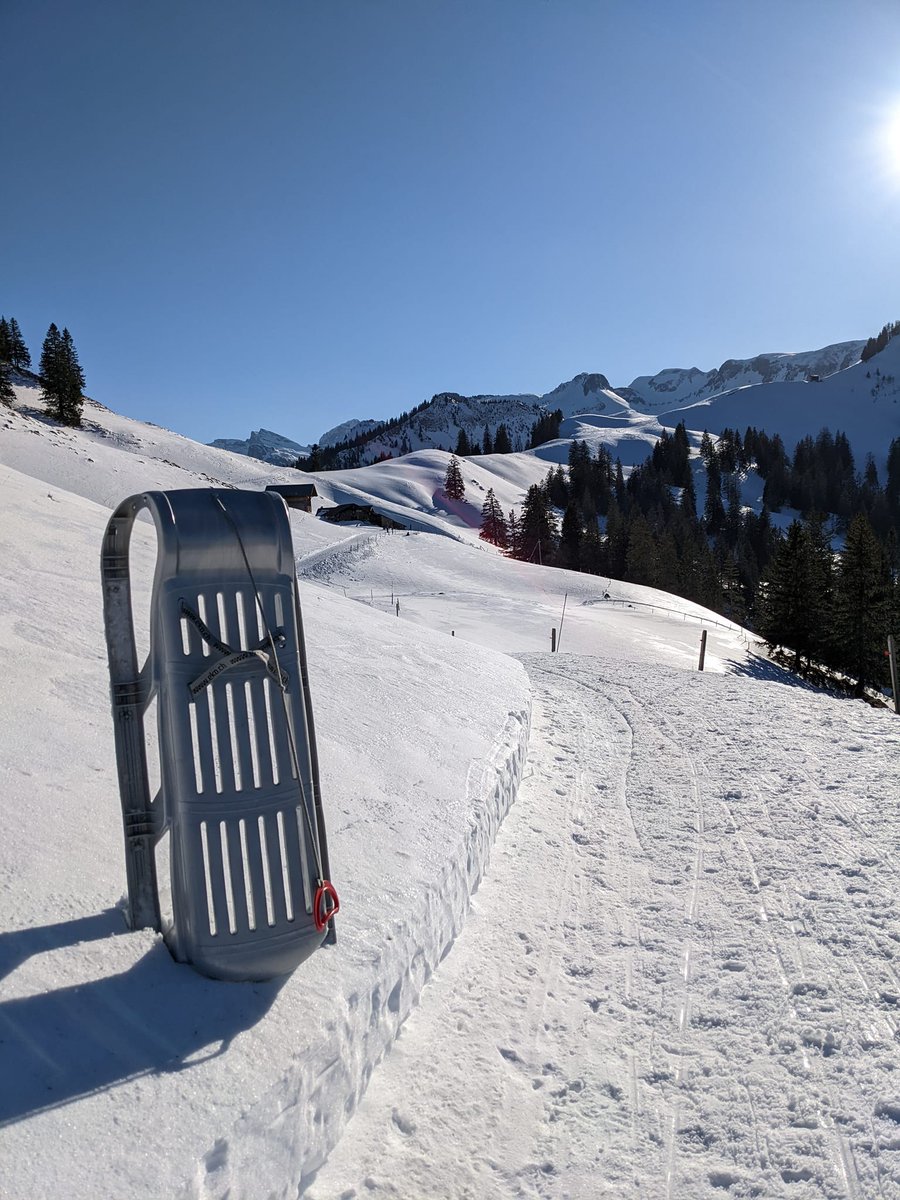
x=283 y=1140
x=121 y=1071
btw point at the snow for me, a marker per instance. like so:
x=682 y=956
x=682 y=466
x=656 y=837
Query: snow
x=862 y=401
x=345 y=430
x=412 y=813
x=681 y=387
x=676 y=978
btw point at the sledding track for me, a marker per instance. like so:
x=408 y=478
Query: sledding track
x=706 y=1005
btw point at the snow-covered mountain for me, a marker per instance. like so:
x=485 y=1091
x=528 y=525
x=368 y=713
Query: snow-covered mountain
x=346 y=429
x=436 y=424
x=790 y=394
x=862 y=400
x=677 y=387
x=265 y=445
x=591 y=402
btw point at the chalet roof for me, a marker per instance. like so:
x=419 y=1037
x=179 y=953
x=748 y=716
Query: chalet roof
x=298 y=490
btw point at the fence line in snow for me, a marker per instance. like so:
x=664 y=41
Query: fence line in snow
x=389 y=601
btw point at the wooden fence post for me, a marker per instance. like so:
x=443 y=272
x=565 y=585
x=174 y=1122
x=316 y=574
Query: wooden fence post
x=892 y=655
x=702 y=649
x=552 y=641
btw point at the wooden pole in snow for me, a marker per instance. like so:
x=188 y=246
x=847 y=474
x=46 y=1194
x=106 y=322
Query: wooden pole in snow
x=552 y=641
x=702 y=649
x=562 y=619
x=892 y=656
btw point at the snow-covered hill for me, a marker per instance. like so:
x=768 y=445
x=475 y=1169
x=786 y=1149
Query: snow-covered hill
x=862 y=400
x=678 y=978
x=675 y=388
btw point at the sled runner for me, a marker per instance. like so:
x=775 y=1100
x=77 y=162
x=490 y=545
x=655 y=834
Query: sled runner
x=239 y=805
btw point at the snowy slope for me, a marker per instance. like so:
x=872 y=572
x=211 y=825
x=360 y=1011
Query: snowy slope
x=863 y=401
x=676 y=387
x=95 y=1021
x=677 y=978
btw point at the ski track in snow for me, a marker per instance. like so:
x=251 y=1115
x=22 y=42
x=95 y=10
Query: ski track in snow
x=705 y=1004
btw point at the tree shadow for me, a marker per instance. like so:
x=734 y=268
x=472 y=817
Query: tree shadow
x=757 y=667
x=156 y=1016
x=39 y=414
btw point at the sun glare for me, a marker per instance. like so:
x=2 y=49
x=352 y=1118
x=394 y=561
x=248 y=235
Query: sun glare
x=890 y=142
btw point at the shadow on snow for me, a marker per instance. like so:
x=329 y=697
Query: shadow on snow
x=58 y=1045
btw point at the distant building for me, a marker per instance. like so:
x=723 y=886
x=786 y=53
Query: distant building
x=814 y=379
x=295 y=495
x=358 y=512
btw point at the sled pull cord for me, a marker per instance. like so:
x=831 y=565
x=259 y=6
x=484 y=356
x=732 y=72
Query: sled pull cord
x=326 y=905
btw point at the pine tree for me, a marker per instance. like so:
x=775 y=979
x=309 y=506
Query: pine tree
x=493 y=523
x=502 y=444
x=312 y=461
x=734 y=601
x=7 y=395
x=795 y=597
x=681 y=468
x=454 y=488
x=557 y=488
x=545 y=428
x=689 y=498
x=487 y=442
x=51 y=365
x=616 y=542
x=601 y=481
x=861 y=605
x=668 y=568
x=513 y=538
x=619 y=486
x=733 y=512
x=537 y=527
x=18 y=351
x=707 y=449
x=713 y=510
x=892 y=489
x=463 y=445
x=62 y=378
x=73 y=399
x=5 y=341
x=591 y=549
x=581 y=467
x=570 y=539
x=641 y=565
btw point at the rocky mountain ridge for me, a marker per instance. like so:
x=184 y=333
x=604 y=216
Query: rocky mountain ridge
x=265 y=446
x=436 y=424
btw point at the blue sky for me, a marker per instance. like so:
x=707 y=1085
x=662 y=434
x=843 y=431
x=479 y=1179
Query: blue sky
x=290 y=213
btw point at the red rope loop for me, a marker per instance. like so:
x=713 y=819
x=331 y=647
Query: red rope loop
x=325 y=905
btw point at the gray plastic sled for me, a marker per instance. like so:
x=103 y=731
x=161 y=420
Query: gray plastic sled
x=239 y=782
